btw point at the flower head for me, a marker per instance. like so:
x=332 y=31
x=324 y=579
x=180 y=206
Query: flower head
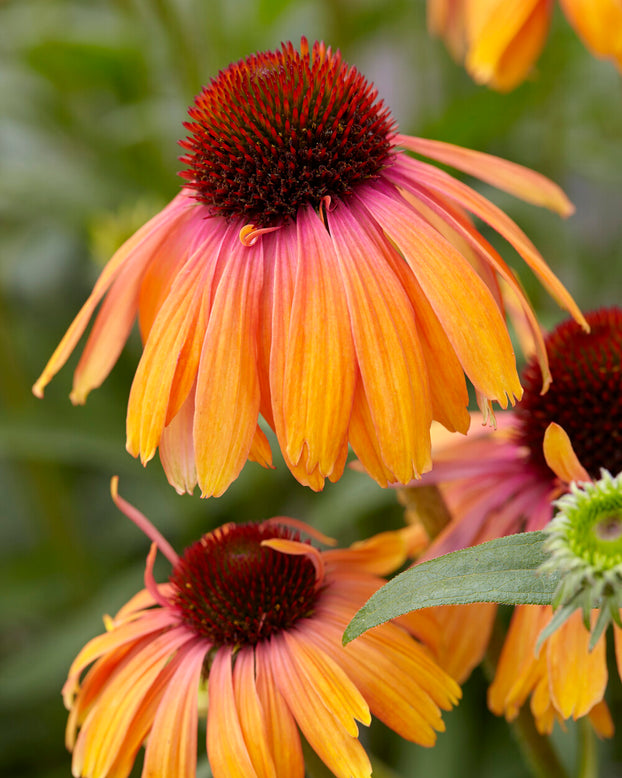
x=250 y=619
x=312 y=273
x=500 y=40
x=540 y=460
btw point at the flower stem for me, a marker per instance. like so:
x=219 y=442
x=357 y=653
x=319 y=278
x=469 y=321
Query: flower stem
x=588 y=756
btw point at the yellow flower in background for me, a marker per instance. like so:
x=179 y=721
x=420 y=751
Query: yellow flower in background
x=312 y=273
x=250 y=624
x=499 y=41
x=499 y=482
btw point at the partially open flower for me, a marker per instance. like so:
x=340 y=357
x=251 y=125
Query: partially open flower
x=313 y=273
x=498 y=482
x=251 y=620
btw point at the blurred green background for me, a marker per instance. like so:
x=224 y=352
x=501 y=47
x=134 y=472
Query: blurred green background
x=92 y=96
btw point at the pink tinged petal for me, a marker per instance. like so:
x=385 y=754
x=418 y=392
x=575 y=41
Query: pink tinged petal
x=172 y=747
x=389 y=355
x=320 y=364
x=228 y=394
x=462 y=302
x=251 y=714
x=341 y=752
x=106 y=725
x=508 y=176
x=226 y=748
x=560 y=455
x=474 y=202
x=177 y=448
x=143 y=523
x=280 y=725
x=136 y=251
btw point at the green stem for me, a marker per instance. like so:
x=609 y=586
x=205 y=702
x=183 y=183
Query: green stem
x=588 y=755
x=537 y=750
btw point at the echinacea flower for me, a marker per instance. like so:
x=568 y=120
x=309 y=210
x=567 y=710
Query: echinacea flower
x=250 y=620
x=499 y=41
x=500 y=482
x=313 y=273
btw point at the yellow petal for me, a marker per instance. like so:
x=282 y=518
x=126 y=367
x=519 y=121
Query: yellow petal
x=560 y=456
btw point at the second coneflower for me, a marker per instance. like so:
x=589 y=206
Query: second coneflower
x=250 y=623
x=312 y=273
x=497 y=483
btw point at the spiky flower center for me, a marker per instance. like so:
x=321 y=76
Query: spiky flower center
x=585 y=397
x=233 y=591
x=284 y=129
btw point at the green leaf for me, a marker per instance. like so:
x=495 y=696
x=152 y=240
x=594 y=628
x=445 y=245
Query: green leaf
x=501 y=570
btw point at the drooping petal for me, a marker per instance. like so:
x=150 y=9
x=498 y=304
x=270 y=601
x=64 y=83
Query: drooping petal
x=172 y=747
x=227 y=395
x=319 y=369
x=389 y=356
x=137 y=250
x=226 y=747
x=500 y=173
x=251 y=715
x=280 y=724
x=448 y=186
x=340 y=751
x=506 y=40
x=105 y=726
x=170 y=359
x=461 y=301
x=578 y=677
x=177 y=448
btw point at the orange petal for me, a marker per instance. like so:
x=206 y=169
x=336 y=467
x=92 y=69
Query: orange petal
x=578 y=677
x=227 y=395
x=389 y=355
x=106 y=725
x=506 y=41
x=226 y=747
x=319 y=369
x=500 y=173
x=599 y=24
x=461 y=301
x=280 y=725
x=177 y=448
x=251 y=715
x=340 y=751
x=172 y=745
x=472 y=201
x=180 y=319
x=560 y=455
x=135 y=251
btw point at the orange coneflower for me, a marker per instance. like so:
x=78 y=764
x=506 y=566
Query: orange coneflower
x=500 y=482
x=250 y=619
x=313 y=273
x=499 y=41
